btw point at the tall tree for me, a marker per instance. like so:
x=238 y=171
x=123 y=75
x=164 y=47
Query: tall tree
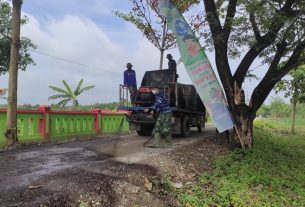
x=11 y=131
x=267 y=31
x=25 y=58
x=293 y=87
x=67 y=95
x=146 y=16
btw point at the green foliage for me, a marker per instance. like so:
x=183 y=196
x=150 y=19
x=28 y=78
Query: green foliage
x=112 y=106
x=280 y=125
x=146 y=16
x=264 y=110
x=255 y=19
x=67 y=95
x=294 y=85
x=5 y=41
x=270 y=174
x=279 y=108
x=263 y=124
x=83 y=204
x=161 y=185
x=253 y=30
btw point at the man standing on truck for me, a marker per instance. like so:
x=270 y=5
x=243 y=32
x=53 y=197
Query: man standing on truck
x=130 y=82
x=172 y=65
x=163 y=124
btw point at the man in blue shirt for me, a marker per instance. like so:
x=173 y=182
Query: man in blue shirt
x=163 y=124
x=130 y=82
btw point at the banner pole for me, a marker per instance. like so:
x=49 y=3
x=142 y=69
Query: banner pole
x=239 y=137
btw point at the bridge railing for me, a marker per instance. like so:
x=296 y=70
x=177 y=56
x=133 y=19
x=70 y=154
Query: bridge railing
x=45 y=124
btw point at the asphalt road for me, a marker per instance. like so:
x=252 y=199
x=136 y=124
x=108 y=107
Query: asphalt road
x=22 y=167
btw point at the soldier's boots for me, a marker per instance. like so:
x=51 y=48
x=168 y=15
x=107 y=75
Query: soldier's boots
x=157 y=139
x=168 y=139
x=156 y=142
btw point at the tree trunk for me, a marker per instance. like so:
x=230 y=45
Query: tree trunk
x=162 y=45
x=243 y=118
x=246 y=130
x=11 y=132
x=161 y=59
x=244 y=126
x=294 y=103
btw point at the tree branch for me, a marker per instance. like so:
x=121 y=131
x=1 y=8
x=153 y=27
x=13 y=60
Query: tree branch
x=254 y=26
x=213 y=18
x=274 y=73
x=263 y=89
x=148 y=21
x=219 y=3
x=295 y=59
x=229 y=20
x=262 y=43
x=221 y=48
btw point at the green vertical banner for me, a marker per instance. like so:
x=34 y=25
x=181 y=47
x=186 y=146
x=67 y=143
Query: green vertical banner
x=198 y=67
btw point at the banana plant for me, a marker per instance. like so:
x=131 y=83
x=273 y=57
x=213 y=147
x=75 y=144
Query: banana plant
x=67 y=95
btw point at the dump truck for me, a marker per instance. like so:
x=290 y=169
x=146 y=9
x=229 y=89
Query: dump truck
x=188 y=109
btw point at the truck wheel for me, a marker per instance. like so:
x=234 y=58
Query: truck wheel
x=186 y=126
x=144 y=130
x=201 y=126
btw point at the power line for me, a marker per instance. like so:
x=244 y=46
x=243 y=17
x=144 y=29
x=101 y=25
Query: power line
x=96 y=69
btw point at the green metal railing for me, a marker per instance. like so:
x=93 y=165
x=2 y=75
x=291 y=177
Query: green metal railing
x=67 y=125
x=45 y=124
x=28 y=125
x=112 y=123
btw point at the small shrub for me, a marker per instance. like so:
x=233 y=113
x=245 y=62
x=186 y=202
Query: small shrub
x=161 y=185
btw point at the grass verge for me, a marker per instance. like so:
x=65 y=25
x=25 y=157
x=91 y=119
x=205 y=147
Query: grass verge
x=270 y=174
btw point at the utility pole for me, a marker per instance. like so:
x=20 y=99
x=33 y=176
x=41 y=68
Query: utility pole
x=11 y=131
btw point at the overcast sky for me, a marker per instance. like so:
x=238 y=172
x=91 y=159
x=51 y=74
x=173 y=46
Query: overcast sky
x=88 y=33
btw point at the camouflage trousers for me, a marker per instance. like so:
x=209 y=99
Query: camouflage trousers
x=163 y=125
x=133 y=93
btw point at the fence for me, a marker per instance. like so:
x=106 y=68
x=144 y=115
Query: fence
x=45 y=124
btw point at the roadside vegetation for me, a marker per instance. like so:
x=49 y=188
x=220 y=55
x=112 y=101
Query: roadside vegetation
x=270 y=174
x=111 y=105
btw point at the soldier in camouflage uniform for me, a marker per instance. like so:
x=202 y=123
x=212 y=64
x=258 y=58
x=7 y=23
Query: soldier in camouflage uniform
x=163 y=125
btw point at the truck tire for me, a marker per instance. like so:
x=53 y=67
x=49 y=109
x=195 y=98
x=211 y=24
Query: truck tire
x=144 y=130
x=201 y=126
x=186 y=126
